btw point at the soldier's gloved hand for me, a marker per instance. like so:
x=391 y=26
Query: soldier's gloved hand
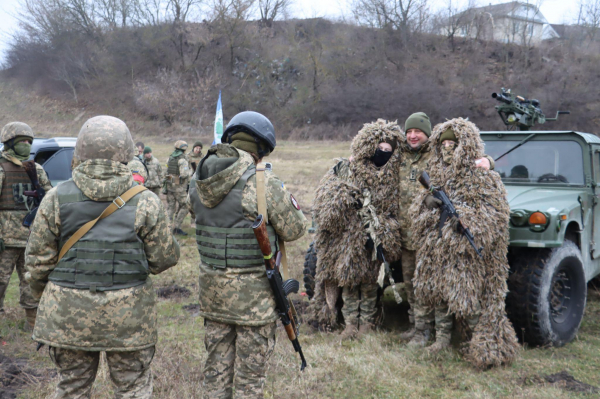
x=2 y=246
x=431 y=202
x=369 y=245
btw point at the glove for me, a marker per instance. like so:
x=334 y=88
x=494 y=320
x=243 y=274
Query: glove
x=369 y=245
x=431 y=202
x=2 y=247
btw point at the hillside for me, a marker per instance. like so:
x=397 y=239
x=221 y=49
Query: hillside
x=315 y=79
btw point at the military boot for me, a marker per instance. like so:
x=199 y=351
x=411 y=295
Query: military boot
x=365 y=328
x=408 y=334
x=350 y=332
x=30 y=315
x=421 y=336
x=443 y=329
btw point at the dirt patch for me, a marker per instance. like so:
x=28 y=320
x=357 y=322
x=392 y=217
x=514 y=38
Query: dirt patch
x=567 y=382
x=14 y=376
x=173 y=291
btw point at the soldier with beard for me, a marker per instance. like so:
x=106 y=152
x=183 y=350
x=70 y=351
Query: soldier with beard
x=356 y=209
x=450 y=276
x=17 y=138
x=415 y=158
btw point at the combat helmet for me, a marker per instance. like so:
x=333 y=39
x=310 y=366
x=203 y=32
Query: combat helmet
x=181 y=145
x=15 y=129
x=104 y=137
x=254 y=124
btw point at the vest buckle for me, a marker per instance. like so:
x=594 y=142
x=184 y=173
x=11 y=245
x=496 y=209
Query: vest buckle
x=117 y=204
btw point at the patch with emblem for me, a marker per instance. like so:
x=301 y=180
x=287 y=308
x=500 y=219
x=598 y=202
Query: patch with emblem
x=294 y=202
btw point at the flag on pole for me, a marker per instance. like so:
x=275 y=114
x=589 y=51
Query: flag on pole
x=218 y=122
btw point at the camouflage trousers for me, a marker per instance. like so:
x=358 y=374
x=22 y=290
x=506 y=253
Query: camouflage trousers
x=444 y=320
x=409 y=264
x=360 y=304
x=176 y=206
x=9 y=259
x=236 y=351
x=129 y=371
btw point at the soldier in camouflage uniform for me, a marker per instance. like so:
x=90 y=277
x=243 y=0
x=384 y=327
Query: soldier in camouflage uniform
x=416 y=155
x=178 y=177
x=90 y=302
x=155 y=172
x=235 y=298
x=138 y=150
x=17 y=138
x=138 y=170
x=195 y=157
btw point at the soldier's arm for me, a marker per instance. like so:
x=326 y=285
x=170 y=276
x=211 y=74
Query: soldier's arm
x=284 y=211
x=159 y=171
x=43 y=178
x=184 y=168
x=151 y=225
x=42 y=251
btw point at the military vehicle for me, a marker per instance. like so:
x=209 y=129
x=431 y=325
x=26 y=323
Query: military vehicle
x=553 y=182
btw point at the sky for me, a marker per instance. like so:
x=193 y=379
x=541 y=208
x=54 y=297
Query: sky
x=555 y=11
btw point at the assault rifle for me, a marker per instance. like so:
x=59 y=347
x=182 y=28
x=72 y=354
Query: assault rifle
x=37 y=195
x=448 y=211
x=280 y=288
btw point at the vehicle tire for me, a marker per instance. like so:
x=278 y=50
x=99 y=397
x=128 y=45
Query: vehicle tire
x=310 y=270
x=547 y=295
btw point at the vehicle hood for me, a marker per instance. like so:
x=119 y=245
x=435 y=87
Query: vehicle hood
x=545 y=199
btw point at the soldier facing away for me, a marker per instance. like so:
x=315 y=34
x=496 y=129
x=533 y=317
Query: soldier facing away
x=17 y=138
x=450 y=275
x=91 y=302
x=178 y=177
x=356 y=211
x=236 y=300
x=155 y=172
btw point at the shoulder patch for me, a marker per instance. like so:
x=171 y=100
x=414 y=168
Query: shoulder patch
x=294 y=202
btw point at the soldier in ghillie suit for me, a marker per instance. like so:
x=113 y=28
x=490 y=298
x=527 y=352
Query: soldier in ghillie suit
x=356 y=208
x=236 y=300
x=415 y=159
x=17 y=138
x=178 y=177
x=155 y=172
x=450 y=276
x=90 y=302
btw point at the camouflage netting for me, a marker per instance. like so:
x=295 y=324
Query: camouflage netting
x=343 y=259
x=448 y=269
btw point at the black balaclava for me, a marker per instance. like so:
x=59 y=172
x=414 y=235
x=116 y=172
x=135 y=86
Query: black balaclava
x=381 y=157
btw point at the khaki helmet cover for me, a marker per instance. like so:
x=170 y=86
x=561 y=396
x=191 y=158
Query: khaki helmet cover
x=104 y=137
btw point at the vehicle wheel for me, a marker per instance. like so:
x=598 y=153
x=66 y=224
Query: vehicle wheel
x=310 y=270
x=547 y=295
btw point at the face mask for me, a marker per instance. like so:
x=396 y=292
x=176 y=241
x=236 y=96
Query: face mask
x=448 y=153
x=22 y=149
x=381 y=157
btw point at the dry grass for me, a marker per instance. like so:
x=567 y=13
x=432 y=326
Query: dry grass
x=377 y=366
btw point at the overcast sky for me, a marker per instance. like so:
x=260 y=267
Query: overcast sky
x=555 y=11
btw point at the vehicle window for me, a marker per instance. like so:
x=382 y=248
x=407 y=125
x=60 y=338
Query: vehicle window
x=58 y=167
x=42 y=156
x=556 y=162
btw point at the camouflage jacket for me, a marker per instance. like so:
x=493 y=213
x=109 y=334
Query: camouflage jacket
x=181 y=183
x=412 y=165
x=242 y=295
x=155 y=173
x=98 y=321
x=137 y=166
x=11 y=222
x=195 y=159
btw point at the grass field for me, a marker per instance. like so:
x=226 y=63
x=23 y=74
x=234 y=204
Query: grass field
x=378 y=365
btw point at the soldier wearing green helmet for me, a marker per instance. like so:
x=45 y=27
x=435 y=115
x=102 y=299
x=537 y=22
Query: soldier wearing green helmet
x=17 y=138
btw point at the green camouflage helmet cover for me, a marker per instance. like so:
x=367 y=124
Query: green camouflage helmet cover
x=104 y=137
x=15 y=129
x=181 y=145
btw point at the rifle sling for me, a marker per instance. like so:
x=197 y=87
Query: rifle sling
x=123 y=199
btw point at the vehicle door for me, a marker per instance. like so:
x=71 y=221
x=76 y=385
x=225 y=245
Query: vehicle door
x=595 y=245
x=58 y=166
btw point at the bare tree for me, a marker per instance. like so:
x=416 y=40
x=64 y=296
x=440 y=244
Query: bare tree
x=589 y=18
x=400 y=15
x=457 y=21
x=180 y=9
x=229 y=19
x=271 y=9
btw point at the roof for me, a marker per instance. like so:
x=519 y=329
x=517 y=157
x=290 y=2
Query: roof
x=588 y=137
x=515 y=9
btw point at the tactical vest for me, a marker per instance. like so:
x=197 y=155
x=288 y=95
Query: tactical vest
x=173 y=165
x=108 y=257
x=224 y=236
x=15 y=183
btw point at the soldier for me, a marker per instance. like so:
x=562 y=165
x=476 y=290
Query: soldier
x=178 y=177
x=155 y=172
x=356 y=214
x=90 y=302
x=415 y=159
x=17 y=138
x=450 y=275
x=139 y=149
x=235 y=298
x=195 y=156
x=138 y=170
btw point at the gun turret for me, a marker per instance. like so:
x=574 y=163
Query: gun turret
x=519 y=112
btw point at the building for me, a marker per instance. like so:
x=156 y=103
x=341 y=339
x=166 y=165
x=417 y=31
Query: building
x=515 y=22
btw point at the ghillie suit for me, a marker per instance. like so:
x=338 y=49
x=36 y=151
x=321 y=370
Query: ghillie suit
x=449 y=272
x=347 y=197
